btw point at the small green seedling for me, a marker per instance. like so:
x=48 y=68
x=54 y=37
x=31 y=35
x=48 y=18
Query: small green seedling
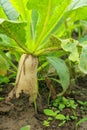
x=50 y=112
x=27 y=127
x=63 y=119
x=57 y=108
x=62 y=102
x=46 y=123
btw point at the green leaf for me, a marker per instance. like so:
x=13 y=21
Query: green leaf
x=71 y=104
x=7 y=43
x=50 y=118
x=71 y=46
x=77 y=10
x=20 y=6
x=49 y=112
x=2 y=14
x=8 y=60
x=77 y=4
x=73 y=117
x=61 y=106
x=43 y=9
x=34 y=22
x=64 y=100
x=24 y=15
x=50 y=12
x=9 y=10
x=83 y=40
x=62 y=71
x=4 y=79
x=41 y=16
x=46 y=123
x=83 y=60
x=14 y=30
x=78 y=14
x=27 y=127
x=60 y=117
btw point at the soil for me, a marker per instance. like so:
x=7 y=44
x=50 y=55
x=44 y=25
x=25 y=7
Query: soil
x=17 y=113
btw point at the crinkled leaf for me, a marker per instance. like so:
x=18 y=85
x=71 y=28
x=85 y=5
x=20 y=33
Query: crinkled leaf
x=9 y=10
x=14 y=30
x=62 y=71
x=71 y=47
x=83 y=60
x=55 y=41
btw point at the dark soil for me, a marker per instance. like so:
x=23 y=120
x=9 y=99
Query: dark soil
x=18 y=113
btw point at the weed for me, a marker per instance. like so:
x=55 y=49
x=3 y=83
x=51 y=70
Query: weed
x=57 y=108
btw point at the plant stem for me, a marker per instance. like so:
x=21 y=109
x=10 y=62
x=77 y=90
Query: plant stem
x=42 y=66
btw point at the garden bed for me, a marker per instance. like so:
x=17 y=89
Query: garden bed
x=18 y=114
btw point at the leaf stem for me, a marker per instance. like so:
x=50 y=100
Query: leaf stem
x=46 y=50
x=42 y=66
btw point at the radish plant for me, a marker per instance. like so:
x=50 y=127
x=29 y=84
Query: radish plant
x=29 y=24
